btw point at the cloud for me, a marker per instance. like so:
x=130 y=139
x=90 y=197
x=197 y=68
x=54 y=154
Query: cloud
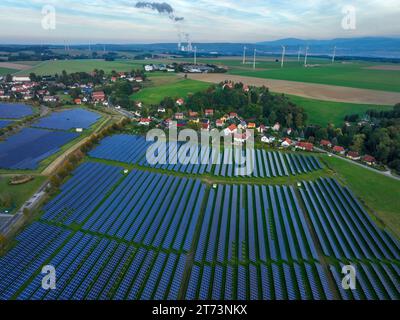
x=205 y=20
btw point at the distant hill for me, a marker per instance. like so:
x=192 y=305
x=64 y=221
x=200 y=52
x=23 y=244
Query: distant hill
x=367 y=46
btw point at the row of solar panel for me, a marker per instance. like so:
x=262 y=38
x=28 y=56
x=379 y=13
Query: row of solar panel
x=196 y=159
x=297 y=281
x=373 y=281
x=343 y=227
x=254 y=223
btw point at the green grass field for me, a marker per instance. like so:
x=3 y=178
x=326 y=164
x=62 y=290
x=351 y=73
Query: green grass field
x=5 y=71
x=53 y=67
x=20 y=193
x=176 y=88
x=379 y=193
x=324 y=112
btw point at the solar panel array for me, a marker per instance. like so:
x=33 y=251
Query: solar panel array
x=152 y=209
x=87 y=267
x=198 y=159
x=152 y=236
x=68 y=119
x=14 y=111
x=27 y=148
x=343 y=227
x=5 y=123
x=297 y=281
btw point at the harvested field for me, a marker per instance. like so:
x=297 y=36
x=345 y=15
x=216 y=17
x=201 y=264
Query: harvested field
x=309 y=90
x=16 y=66
x=385 y=67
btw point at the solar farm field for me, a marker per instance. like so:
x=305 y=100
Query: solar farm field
x=14 y=111
x=26 y=149
x=5 y=123
x=201 y=160
x=68 y=119
x=151 y=236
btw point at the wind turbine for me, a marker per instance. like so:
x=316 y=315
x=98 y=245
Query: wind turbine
x=254 y=61
x=283 y=56
x=306 y=56
x=298 y=55
x=334 y=55
x=195 y=55
x=244 y=54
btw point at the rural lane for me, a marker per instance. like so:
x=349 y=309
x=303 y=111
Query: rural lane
x=384 y=173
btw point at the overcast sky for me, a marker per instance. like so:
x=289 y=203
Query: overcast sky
x=119 y=21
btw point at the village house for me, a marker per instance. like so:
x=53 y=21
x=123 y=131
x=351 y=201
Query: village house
x=50 y=99
x=353 y=155
x=268 y=140
x=261 y=129
x=78 y=101
x=251 y=125
x=180 y=102
x=144 y=121
x=242 y=125
x=305 y=146
x=219 y=123
x=98 y=96
x=179 y=116
x=325 y=143
x=193 y=114
x=339 y=150
x=232 y=129
x=161 y=110
x=370 y=160
x=205 y=126
x=209 y=112
x=286 y=143
x=240 y=137
x=233 y=115
x=276 y=127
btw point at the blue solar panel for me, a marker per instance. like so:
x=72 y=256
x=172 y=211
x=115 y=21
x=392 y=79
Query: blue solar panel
x=14 y=110
x=68 y=119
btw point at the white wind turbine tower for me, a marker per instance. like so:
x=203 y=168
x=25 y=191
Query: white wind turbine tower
x=334 y=55
x=195 y=55
x=283 y=56
x=254 y=61
x=306 y=56
x=244 y=54
x=298 y=54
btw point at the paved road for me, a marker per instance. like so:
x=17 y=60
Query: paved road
x=384 y=173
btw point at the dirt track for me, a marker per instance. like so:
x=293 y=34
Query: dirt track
x=309 y=90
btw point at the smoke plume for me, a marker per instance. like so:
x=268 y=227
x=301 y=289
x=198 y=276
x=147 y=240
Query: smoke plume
x=162 y=8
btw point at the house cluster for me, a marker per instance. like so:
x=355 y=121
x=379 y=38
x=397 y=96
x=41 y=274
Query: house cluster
x=352 y=155
x=129 y=76
x=22 y=88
